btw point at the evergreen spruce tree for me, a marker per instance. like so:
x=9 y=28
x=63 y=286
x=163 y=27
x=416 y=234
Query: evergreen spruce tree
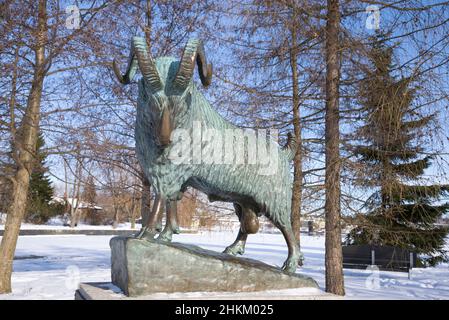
x=403 y=210
x=40 y=192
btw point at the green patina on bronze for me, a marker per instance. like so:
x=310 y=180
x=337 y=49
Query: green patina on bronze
x=170 y=100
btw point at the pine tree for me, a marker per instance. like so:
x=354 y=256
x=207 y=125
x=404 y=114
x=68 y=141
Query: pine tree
x=403 y=210
x=40 y=192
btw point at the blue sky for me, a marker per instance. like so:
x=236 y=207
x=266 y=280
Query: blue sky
x=407 y=50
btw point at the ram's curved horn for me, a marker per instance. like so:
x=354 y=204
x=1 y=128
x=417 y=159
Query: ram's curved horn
x=194 y=50
x=146 y=64
x=130 y=69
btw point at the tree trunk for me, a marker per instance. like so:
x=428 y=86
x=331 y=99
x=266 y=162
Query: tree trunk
x=133 y=210
x=74 y=212
x=148 y=25
x=133 y=217
x=12 y=101
x=12 y=228
x=297 y=160
x=333 y=256
x=116 y=218
x=145 y=205
x=74 y=217
x=25 y=147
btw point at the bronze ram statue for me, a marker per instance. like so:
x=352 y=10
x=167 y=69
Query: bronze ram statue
x=169 y=102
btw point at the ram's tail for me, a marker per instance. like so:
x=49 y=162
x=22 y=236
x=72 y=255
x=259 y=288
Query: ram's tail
x=290 y=147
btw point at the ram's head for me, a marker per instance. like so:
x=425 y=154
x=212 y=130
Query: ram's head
x=166 y=82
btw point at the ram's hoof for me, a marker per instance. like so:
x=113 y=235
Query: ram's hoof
x=165 y=236
x=145 y=234
x=301 y=259
x=235 y=249
x=290 y=265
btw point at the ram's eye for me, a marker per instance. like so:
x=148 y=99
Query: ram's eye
x=188 y=99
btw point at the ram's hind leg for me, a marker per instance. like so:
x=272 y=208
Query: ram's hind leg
x=294 y=255
x=238 y=246
x=171 y=225
x=249 y=223
x=149 y=231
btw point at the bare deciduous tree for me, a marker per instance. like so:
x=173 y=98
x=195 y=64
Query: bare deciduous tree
x=333 y=256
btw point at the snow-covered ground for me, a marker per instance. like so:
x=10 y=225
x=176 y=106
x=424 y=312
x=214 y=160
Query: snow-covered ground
x=50 y=267
x=58 y=225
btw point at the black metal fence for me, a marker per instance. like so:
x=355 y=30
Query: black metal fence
x=384 y=257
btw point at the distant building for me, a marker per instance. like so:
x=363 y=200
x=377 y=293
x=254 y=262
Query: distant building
x=74 y=202
x=85 y=210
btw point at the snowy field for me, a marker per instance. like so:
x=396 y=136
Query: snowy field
x=57 y=224
x=51 y=266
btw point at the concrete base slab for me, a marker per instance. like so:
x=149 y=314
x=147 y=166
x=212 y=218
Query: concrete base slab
x=108 y=291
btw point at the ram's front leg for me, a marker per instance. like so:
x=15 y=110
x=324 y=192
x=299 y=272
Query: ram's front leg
x=159 y=222
x=171 y=225
x=150 y=230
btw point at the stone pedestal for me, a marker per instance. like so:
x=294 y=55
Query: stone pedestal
x=107 y=291
x=140 y=267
